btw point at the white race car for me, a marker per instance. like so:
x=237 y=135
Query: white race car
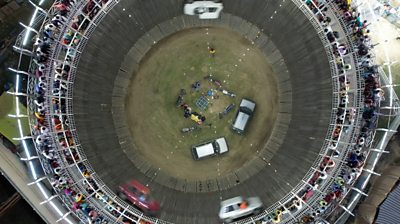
x=205 y=9
x=238 y=207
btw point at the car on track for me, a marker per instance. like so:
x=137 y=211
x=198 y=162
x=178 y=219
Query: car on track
x=139 y=195
x=204 y=9
x=245 y=112
x=239 y=207
x=210 y=148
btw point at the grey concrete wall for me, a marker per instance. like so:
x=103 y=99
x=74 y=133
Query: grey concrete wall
x=304 y=111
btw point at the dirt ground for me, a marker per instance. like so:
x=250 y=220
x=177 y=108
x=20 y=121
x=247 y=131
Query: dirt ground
x=176 y=63
x=383 y=35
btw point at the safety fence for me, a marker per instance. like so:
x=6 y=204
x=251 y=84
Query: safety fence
x=54 y=57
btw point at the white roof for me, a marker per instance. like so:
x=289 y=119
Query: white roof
x=241 y=121
x=235 y=200
x=248 y=103
x=203 y=7
x=205 y=150
x=223 y=147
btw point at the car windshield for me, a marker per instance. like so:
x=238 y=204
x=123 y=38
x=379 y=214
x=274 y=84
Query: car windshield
x=142 y=196
x=212 y=9
x=216 y=146
x=229 y=208
x=246 y=110
x=132 y=189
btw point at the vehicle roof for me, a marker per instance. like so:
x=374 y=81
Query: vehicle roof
x=241 y=120
x=223 y=147
x=140 y=187
x=203 y=4
x=189 y=9
x=232 y=201
x=205 y=150
x=248 y=103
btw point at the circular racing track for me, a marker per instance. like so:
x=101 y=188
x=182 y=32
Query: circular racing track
x=113 y=56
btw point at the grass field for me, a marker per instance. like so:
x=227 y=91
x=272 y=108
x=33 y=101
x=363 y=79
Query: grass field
x=176 y=63
x=8 y=126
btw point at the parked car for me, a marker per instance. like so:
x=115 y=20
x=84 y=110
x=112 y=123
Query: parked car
x=204 y=9
x=245 y=112
x=239 y=207
x=139 y=195
x=209 y=148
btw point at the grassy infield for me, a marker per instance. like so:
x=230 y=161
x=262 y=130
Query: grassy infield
x=201 y=66
x=8 y=126
x=156 y=87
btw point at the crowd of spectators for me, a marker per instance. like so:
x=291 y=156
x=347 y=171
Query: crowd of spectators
x=52 y=133
x=349 y=157
x=54 y=140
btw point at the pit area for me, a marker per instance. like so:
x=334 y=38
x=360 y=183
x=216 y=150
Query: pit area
x=162 y=134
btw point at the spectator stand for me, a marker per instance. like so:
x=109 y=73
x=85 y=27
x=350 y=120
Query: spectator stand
x=60 y=133
x=387 y=109
x=84 y=193
x=354 y=174
x=108 y=206
x=108 y=200
x=59 y=167
x=27 y=55
x=65 y=137
x=92 y=191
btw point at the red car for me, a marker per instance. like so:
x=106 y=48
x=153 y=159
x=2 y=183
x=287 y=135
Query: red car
x=139 y=195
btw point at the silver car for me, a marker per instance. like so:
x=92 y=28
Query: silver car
x=245 y=112
x=210 y=148
x=204 y=9
x=238 y=207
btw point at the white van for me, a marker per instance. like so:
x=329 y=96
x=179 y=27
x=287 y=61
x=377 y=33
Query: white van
x=209 y=148
x=204 y=9
x=246 y=110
